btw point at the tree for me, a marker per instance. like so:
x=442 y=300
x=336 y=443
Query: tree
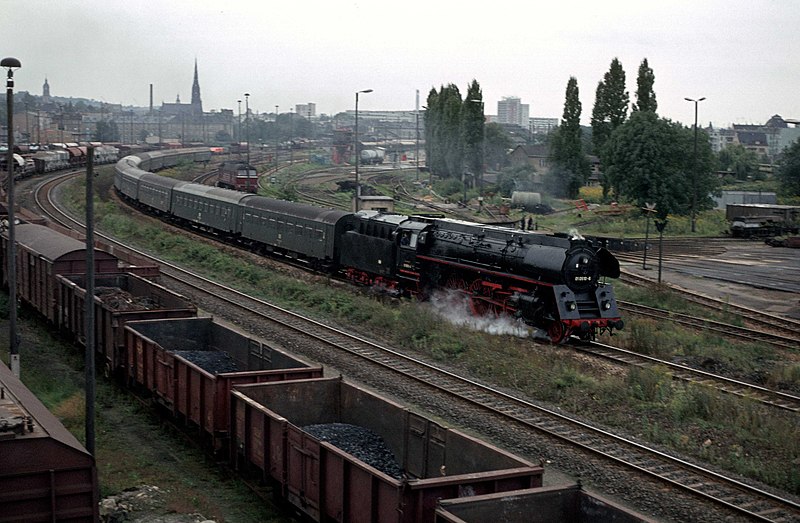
x=789 y=170
x=610 y=105
x=432 y=133
x=645 y=96
x=498 y=142
x=742 y=162
x=450 y=139
x=444 y=145
x=651 y=160
x=610 y=110
x=571 y=167
x=472 y=132
x=107 y=131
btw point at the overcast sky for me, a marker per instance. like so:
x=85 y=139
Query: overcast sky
x=743 y=56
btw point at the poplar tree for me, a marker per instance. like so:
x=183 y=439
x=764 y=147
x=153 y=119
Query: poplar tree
x=571 y=165
x=645 y=96
x=472 y=132
x=610 y=105
x=609 y=112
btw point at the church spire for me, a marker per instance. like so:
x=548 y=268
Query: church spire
x=197 y=104
x=46 y=92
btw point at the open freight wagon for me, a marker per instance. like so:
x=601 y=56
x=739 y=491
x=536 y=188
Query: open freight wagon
x=119 y=298
x=542 y=505
x=190 y=366
x=272 y=431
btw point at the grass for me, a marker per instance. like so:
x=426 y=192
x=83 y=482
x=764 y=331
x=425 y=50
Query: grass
x=744 y=437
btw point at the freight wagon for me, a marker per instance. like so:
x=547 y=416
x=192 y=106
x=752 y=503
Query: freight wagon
x=119 y=298
x=272 y=433
x=45 y=473
x=190 y=366
x=42 y=254
x=542 y=505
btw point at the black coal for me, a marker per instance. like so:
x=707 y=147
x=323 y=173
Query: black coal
x=360 y=442
x=213 y=361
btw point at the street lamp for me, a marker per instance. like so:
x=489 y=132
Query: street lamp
x=239 y=131
x=357 y=152
x=13 y=341
x=694 y=163
x=276 y=138
x=247 y=127
x=416 y=148
x=291 y=133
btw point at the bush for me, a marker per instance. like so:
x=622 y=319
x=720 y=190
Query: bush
x=650 y=384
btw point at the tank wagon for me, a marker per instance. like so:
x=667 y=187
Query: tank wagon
x=46 y=474
x=273 y=433
x=190 y=366
x=372 y=156
x=552 y=282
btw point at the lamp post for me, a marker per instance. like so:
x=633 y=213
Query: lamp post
x=239 y=130
x=357 y=152
x=247 y=126
x=694 y=163
x=276 y=138
x=649 y=209
x=13 y=341
x=416 y=147
x=291 y=132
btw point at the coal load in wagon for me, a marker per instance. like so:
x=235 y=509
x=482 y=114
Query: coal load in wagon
x=117 y=299
x=212 y=361
x=359 y=442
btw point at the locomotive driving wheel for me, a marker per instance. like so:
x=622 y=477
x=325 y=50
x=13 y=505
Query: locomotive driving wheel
x=557 y=332
x=479 y=305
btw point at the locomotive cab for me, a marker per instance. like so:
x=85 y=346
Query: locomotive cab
x=410 y=237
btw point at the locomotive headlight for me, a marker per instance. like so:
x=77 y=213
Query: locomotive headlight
x=571 y=306
x=606 y=305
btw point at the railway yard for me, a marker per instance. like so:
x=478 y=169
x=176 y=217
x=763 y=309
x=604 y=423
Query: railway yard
x=605 y=443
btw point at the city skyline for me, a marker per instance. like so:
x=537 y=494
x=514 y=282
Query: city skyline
x=741 y=58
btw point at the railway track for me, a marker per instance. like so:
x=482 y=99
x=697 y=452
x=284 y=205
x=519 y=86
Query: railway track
x=772 y=398
x=788 y=340
x=534 y=421
x=785 y=327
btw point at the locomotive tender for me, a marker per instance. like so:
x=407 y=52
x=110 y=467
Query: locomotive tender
x=552 y=282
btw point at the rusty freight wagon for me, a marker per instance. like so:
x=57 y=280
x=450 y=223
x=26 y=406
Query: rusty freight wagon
x=41 y=255
x=45 y=473
x=119 y=298
x=540 y=505
x=191 y=365
x=276 y=431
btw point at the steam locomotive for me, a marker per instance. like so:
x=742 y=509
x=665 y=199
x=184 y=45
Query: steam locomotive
x=552 y=282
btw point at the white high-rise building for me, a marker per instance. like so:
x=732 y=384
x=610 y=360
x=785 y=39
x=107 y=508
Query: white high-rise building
x=510 y=110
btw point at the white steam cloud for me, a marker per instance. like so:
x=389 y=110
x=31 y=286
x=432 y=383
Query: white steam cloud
x=455 y=308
